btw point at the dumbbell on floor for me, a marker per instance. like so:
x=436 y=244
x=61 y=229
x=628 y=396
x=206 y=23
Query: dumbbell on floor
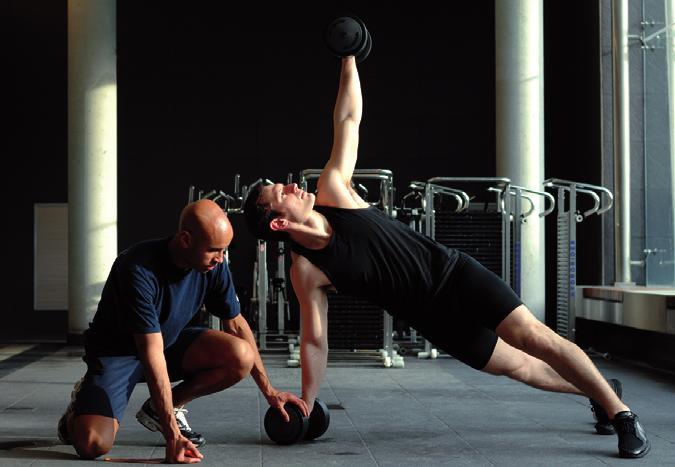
x=299 y=427
x=319 y=420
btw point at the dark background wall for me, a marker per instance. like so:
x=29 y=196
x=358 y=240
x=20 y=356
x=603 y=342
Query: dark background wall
x=207 y=92
x=573 y=128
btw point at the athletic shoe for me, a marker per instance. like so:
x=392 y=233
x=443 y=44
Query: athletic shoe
x=149 y=419
x=62 y=428
x=633 y=440
x=604 y=424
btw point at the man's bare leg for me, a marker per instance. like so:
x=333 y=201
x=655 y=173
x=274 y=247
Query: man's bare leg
x=217 y=360
x=516 y=364
x=522 y=330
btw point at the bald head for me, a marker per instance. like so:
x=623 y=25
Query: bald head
x=204 y=233
x=205 y=220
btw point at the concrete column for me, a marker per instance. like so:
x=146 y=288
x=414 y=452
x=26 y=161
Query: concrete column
x=92 y=155
x=621 y=123
x=520 y=126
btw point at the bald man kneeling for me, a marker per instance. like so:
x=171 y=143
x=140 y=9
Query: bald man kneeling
x=140 y=333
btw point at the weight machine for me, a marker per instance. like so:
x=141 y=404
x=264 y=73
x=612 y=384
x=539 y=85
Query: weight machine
x=485 y=224
x=566 y=250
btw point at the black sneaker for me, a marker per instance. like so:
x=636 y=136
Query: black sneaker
x=149 y=419
x=62 y=428
x=633 y=442
x=604 y=424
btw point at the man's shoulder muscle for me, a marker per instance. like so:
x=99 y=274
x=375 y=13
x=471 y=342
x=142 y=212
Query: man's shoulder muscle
x=305 y=275
x=334 y=191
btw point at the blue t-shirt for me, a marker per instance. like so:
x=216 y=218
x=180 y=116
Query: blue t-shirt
x=146 y=292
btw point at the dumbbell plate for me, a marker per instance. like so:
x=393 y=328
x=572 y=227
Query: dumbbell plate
x=319 y=420
x=345 y=36
x=282 y=432
x=363 y=53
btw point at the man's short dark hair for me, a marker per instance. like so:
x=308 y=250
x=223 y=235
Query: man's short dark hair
x=258 y=216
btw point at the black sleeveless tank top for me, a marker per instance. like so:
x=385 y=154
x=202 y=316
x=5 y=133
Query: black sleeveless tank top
x=375 y=257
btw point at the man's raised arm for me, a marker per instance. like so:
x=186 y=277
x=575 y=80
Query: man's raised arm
x=346 y=120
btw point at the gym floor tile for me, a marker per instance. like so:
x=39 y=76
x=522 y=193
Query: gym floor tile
x=432 y=412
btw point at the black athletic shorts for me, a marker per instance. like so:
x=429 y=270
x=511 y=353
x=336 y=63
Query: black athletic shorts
x=466 y=311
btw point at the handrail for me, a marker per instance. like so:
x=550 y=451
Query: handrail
x=505 y=181
x=365 y=174
x=566 y=184
x=546 y=195
x=596 y=201
x=529 y=211
x=469 y=179
x=460 y=196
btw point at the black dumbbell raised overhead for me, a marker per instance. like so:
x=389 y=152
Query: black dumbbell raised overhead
x=299 y=427
x=347 y=35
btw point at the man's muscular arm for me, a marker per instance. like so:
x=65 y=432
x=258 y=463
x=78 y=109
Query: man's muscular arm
x=151 y=353
x=334 y=181
x=238 y=326
x=313 y=313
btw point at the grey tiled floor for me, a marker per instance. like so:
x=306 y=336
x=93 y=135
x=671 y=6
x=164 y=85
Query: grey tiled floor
x=432 y=412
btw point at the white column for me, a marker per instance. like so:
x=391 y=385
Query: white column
x=92 y=155
x=519 y=47
x=621 y=123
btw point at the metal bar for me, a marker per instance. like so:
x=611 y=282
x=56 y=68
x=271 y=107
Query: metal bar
x=237 y=184
x=621 y=119
x=261 y=286
x=517 y=212
x=572 y=265
x=506 y=233
x=362 y=174
x=280 y=287
x=596 y=201
x=460 y=196
x=556 y=182
x=546 y=195
x=469 y=179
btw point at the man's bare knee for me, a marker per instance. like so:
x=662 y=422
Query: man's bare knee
x=541 y=342
x=243 y=358
x=91 y=447
x=93 y=435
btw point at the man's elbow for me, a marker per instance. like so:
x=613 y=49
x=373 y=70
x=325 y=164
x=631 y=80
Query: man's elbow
x=348 y=121
x=315 y=343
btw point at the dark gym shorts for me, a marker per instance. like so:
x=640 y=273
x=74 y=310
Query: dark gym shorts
x=466 y=311
x=110 y=380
